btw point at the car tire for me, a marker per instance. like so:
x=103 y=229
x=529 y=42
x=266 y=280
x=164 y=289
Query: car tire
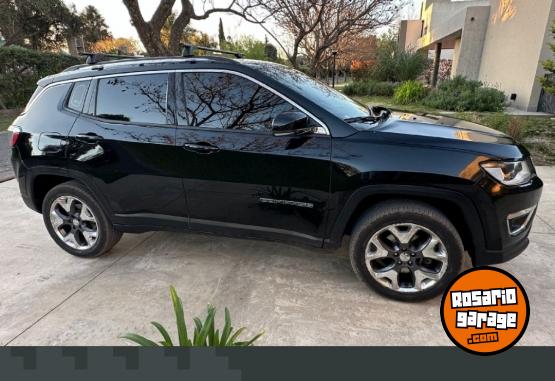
x=406 y=250
x=77 y=222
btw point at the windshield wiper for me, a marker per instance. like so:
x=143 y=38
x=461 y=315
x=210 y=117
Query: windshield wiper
x=377 y=114
x=362 y=119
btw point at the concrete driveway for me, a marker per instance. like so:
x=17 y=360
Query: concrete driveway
x=299 y=296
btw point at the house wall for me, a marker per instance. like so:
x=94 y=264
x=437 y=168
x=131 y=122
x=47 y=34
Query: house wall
x=472 y=40
x=442 y=15
x=516 y=41
x=409 y=33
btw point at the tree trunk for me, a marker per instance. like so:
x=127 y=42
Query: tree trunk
x=150 y=37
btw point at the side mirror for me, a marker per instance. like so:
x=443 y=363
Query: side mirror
x=379 y=112
x=291 y=123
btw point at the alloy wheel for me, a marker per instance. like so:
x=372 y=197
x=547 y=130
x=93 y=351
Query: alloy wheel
x=406 y=257
x=74 y=222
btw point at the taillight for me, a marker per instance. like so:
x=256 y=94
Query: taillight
x=16 y=131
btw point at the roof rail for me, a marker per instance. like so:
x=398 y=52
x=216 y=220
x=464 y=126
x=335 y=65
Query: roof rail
x=94 y=58
x=189 y=51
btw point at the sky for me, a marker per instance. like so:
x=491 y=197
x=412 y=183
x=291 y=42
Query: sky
x=117 y=17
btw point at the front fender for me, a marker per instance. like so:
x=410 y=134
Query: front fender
x=465 y=205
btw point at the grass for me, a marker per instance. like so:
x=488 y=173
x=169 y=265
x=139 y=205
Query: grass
x=536 y=133
x=7 y=117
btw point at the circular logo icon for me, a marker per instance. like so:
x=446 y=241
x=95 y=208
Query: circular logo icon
x=485 y=311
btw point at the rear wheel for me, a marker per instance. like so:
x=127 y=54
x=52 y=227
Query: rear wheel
x=406 y=250
x=76 y=221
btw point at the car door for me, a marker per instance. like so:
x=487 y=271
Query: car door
x=124 y=141
x=239 y=177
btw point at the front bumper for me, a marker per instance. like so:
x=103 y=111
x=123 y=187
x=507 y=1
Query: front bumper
x=502 y=244
x=491 y=257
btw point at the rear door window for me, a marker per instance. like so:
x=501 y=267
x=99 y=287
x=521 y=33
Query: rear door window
x=135 y=98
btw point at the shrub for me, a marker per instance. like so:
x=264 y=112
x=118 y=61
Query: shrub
x=372 y=88
x=409 y=92
x=21 y=68
x=204 y=334
x=460 y=94
x=515 y=129
x=395 y=65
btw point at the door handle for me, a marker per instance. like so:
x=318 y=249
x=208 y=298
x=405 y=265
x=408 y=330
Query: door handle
x=202 y=147
x=89 y=137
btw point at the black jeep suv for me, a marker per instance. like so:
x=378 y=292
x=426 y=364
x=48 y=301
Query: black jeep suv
x=256 y=149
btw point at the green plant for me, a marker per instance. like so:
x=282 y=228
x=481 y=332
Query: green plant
x=370 y=88
x=460 y=94
x=409 y=92
x=21 y=68
x=204 y=334
x=548 y=81
x=252 y=48
x=396 y=65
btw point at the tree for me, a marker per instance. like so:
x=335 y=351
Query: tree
x=189 y=35
x=221 y=34
x=357 y=55
x=270 y=51
x=548 y=80
x=116 y=46
x=196 y=37
x=316 y=26
x=94 y=27
x=39 y=24
x=249 y=46
x=150 y=31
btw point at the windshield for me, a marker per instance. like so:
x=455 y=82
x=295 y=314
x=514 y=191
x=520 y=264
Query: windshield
x=324 y=96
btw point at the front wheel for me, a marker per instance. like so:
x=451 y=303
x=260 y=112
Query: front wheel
x=76 y=221
x=406 y=250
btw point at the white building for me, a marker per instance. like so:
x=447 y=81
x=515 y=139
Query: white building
x=499 y=42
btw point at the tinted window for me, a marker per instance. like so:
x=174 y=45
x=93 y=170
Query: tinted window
x=324 y=96
x=77 y=97
x=38 y=90
x=222 y=100
x=134 y=98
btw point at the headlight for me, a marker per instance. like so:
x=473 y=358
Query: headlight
x=509 y=172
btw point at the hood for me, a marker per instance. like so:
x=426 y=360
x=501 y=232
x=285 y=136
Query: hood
x=442 y=127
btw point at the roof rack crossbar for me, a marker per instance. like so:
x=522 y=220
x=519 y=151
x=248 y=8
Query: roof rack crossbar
x=94 y=58
x=189 y=51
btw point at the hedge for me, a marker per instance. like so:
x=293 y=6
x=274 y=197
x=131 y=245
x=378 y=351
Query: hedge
x=21 y=68
x=370 y=88
x=460 y=94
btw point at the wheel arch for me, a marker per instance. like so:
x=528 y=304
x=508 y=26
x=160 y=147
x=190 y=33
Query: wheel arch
x=459 y=209
x=42 y=179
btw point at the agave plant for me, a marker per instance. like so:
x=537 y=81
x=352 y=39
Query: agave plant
x=204 y=334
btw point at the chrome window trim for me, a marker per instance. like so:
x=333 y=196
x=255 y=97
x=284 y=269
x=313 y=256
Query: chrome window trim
x=322 y=130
